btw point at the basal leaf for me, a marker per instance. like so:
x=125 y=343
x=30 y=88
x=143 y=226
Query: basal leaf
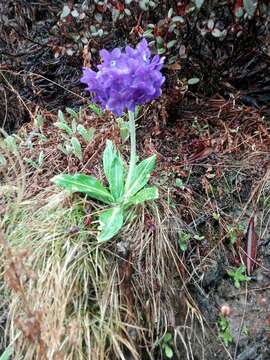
x=114 y=170
x=84 y=184
x=140 y=177
x=146 y=194
x=111 y=221
x=116 y=178
x=108 y=157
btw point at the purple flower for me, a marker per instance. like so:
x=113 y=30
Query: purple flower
x=125 y=79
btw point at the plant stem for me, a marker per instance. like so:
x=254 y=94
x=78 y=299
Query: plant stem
x=132 y=132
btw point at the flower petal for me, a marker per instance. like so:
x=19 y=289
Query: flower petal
x=125 y=79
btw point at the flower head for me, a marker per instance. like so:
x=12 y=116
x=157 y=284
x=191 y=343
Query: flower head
x=125 y=79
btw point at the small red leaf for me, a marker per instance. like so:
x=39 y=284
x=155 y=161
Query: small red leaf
x=239 y=3
x=251 y=243
x=201 y=155
x=238 y=8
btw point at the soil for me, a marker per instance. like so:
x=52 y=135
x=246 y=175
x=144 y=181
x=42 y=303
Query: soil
x=216 y=142
x=220 y=174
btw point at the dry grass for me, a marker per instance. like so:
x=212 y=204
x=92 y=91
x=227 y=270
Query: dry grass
x=85 y=300
x=72 y=298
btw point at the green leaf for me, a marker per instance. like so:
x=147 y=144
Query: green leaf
x=127 y=12
x=216 y=216
x=6 y=354
x=178 y=19
x=91 y=133
x=3 y=160
x=140 y=176
x=170 y=12
x=198 y=237
x=111 y=221
x=87 y=135
x=77 y=149
x=64 y=126
x=171 y=43
x=193 y=81
x=84 y=184
x=72 y=112
x=124 y=129
x=224 y=330
x=146 y=194
x=148 y=33
x=38 y=121
x=64 y=149
x=114 y=170
x=75 y=13
x=11 y=144
x=250 y=6
x=168 y=352
x=159 y=41
x=183 y=246
x=65 y=12
x=108 y=157
x=239 y=12
x=95 y=109
x=74 y=126
x=199 y=3
x=179 y=183
x=41 y=158
x=116 y=178
x=167 y=337
x=183 y=238
x=161 y=51
x=227 y=337
x=238 y=276
x=32 y=163
x=137 y=111
x=61 y=117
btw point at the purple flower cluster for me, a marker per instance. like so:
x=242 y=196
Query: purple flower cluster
x=125 y=79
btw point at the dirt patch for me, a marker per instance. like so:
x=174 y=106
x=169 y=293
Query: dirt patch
x=43 y=51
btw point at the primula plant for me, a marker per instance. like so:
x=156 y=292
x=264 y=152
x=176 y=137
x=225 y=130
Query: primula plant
x=123 y=81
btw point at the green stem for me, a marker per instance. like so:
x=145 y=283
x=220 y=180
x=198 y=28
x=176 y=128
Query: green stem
x=132 y=132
